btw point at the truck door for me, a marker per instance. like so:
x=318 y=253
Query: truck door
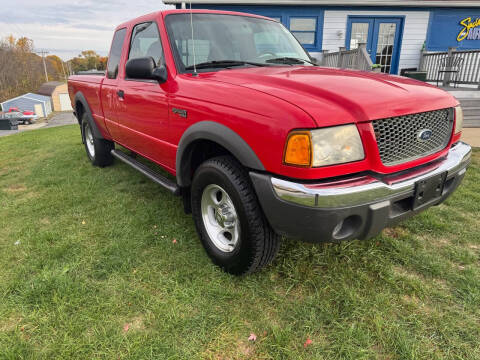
x=109 y=87
x=143 y=115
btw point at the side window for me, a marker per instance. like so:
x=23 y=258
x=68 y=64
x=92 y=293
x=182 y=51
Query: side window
x=115 y=53
x=146 y=42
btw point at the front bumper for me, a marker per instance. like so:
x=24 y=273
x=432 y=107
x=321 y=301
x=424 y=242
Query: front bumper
x=357 y=206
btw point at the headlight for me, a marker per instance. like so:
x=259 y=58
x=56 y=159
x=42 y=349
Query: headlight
x=458 y=119
x=327 y=146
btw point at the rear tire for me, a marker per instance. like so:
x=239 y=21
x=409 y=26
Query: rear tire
x=228 y=217
x=98 y=150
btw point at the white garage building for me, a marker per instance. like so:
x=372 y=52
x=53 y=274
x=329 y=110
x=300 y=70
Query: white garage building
x=39 y=104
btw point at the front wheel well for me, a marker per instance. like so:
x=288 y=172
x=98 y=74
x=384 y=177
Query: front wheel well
x=206 y=139
x=198 y=152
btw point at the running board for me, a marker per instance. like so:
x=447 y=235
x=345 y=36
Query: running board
x=145 y=170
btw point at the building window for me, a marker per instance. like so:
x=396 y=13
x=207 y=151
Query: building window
x=304 y=29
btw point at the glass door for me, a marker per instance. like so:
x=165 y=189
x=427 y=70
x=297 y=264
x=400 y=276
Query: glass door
x=385 y=44
x=361 y=31
x=382 y=38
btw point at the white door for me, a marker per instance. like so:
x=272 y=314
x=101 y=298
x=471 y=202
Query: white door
x=38 y=110
x=65 y=102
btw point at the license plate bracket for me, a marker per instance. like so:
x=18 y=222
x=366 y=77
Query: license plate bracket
x=429 y=189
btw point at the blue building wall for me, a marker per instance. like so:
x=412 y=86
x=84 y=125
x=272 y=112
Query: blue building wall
x=445 y=27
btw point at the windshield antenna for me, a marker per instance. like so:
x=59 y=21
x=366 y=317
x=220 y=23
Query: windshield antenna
x=193 y=42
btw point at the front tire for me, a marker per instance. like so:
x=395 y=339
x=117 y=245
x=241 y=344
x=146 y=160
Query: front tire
x=228 y=217
x=98 y=150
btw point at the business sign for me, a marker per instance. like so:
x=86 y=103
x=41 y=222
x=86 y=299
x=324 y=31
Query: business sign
x=470 y=30
x=458 y=28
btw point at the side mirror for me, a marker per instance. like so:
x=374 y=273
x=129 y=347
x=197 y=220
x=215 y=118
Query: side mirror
x=144 y=68
x=160 y=74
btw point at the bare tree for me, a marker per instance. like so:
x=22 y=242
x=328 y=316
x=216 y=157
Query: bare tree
x=21 y=70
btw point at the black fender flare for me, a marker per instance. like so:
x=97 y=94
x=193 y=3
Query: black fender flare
x=220 y=134
x=80 y=98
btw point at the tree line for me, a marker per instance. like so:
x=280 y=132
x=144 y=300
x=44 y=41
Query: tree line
x=88 y=60
x=23 y=70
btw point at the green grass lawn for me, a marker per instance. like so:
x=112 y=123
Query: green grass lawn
x=89 y=269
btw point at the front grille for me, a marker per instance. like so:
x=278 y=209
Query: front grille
x=398 y=138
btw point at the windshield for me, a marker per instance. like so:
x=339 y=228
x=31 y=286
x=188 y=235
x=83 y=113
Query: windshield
x=219 y=38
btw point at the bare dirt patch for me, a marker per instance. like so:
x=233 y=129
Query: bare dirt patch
x=245 y=349
x=3 y=171
x=395 y=232
x=441 y=284
x=10 y=323
x=418 y=303
x=16 y=188
x=231 y=346
x=380 y=352
x=401 y=271
x=440 y=242
x=436 y=282
x=135 y=324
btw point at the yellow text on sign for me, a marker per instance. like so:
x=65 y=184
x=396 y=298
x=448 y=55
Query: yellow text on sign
x=468 y=25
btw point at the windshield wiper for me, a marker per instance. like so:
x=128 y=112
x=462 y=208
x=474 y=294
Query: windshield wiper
x=289 y=61
x=222 y=64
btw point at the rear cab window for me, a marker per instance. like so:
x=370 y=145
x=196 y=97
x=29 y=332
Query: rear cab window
x=115 y=53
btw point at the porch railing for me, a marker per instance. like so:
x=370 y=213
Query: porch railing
x=351 y=59
x=468 y=71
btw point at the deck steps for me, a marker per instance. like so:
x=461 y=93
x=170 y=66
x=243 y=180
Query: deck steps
x=471 y=112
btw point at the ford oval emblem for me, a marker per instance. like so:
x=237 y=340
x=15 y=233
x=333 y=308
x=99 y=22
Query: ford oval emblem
x=424 y=135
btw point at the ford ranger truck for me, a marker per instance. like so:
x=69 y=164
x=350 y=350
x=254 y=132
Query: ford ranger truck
x=259 y=141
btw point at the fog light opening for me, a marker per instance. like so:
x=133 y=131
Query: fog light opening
x=346 y=227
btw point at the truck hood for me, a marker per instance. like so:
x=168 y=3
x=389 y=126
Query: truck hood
x=334 y=96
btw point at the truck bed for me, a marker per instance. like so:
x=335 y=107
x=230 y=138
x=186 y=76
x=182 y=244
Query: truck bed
x=91 y=88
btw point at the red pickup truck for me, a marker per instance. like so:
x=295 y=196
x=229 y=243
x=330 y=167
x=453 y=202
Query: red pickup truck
x=260 y=141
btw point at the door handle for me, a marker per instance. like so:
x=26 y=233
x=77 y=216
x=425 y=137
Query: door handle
x=121 y=94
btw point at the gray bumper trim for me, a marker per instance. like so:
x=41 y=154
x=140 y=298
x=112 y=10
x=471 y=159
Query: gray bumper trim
x=328 y=195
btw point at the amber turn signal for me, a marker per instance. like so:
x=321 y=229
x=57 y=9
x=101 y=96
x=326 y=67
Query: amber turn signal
x=299 y=149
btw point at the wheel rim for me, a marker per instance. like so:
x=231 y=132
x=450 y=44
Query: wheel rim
x=89 y=141
x=220 y=218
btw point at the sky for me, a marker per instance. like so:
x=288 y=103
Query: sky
x=66 y=27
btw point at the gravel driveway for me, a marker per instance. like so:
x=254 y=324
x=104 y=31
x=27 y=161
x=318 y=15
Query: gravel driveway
x=59 y=119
